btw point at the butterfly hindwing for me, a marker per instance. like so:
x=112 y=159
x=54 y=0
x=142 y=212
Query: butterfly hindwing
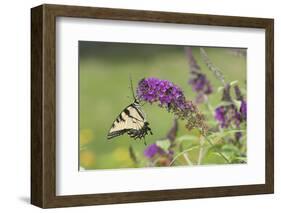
x=131 y=121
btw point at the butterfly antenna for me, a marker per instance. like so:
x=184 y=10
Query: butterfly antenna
x=132 y=88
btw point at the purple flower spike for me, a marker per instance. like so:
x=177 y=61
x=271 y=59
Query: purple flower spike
x=227 y=115
x=243 y=110
x=199 y=82
x=171 y=97
x=151 y=150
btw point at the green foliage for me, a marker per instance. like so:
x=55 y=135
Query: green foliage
x=164 y=144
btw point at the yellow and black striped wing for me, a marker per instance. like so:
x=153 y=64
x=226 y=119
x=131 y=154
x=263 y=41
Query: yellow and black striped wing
x=131 y=121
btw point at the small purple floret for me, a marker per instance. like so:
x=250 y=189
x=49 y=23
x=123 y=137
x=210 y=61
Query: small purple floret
x=219 y=113
x=243 y=110
x=151 y=150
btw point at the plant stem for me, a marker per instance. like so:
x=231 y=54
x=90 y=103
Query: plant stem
x=182 y=153
x=215 y=70
x=186 y=157
x=200 y=155
x=221 y=154
x=208 y=104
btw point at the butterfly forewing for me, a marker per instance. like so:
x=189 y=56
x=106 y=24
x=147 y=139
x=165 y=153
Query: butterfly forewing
x=132 y=121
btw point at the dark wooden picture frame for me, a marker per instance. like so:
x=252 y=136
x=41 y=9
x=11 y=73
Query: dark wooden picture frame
x=43 y=105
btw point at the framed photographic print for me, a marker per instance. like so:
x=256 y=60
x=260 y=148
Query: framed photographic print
x=136 y=106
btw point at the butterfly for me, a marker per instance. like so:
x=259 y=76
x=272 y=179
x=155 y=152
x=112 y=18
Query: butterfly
x=131 y=120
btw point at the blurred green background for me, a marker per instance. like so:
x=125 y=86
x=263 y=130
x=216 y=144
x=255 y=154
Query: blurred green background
x=104 y=70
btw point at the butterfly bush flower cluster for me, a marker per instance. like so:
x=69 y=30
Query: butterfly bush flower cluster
x=199 y=82
x=171 y=97
x=166 y=93
x=229 y=114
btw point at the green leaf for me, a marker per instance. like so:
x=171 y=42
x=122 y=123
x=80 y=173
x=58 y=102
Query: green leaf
x=240 y=159
x=232 y=83
x=184 y=151
x=225 y=133
x=237 y=103
x=230 y=148
x=187 y=138
x=224 y=103
x=220 y=89
x=164 y=144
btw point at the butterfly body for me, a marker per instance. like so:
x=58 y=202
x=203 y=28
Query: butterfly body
x=131 y=121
